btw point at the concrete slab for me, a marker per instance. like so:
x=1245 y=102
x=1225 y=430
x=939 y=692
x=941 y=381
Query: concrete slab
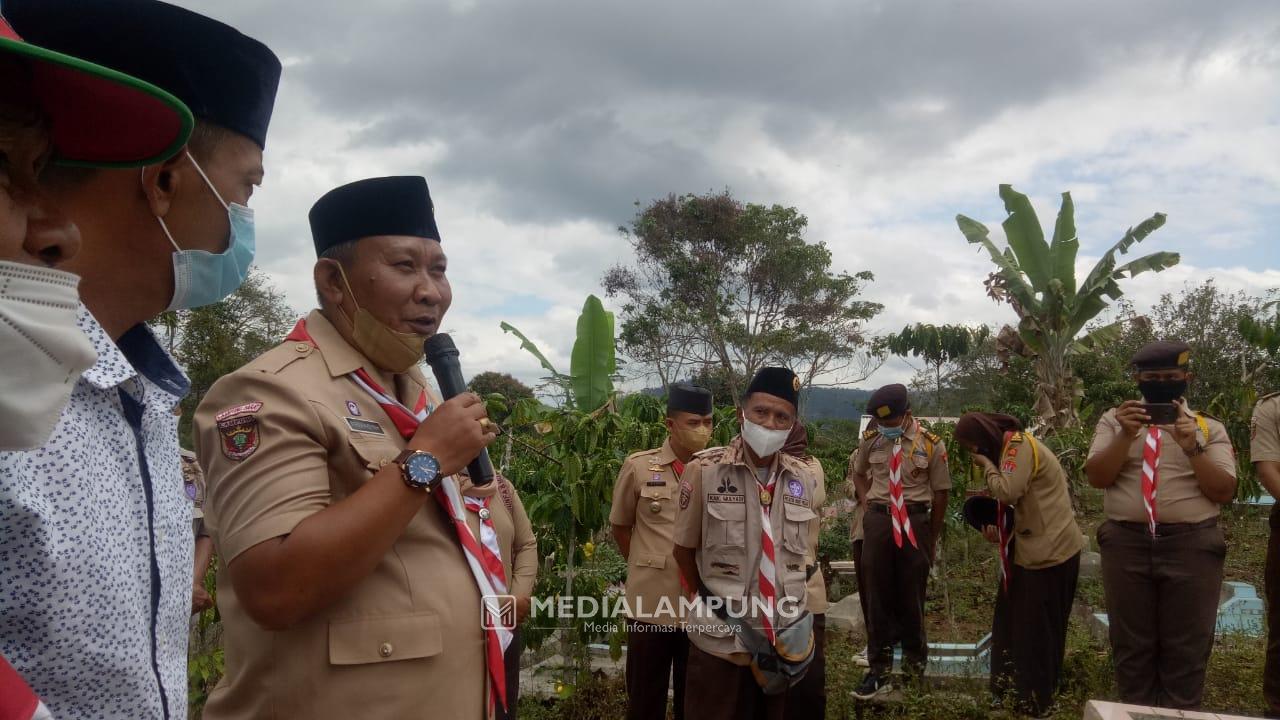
x=1099 y=710
x=846 y=614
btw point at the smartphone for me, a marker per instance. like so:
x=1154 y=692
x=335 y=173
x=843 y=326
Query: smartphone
x=1161 y=413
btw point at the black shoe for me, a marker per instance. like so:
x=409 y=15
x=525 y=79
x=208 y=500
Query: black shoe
x=873 y=686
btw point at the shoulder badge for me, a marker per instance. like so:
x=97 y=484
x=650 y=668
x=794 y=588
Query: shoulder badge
x=932 y=436
x=870 y=434
x=504 y=489
x=239 y=431
x=712 y=454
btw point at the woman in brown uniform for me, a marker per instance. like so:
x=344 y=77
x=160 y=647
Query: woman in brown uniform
x=1029 y=629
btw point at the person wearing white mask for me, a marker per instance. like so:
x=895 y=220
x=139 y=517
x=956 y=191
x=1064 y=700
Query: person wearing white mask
x=52 y=104
x=900 y=470
x=97 y=556
x=742 y=540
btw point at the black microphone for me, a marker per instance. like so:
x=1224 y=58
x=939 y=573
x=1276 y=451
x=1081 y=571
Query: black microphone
x=442 y=356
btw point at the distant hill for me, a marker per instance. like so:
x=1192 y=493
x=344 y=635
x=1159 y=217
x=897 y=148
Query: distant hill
x=821 y=403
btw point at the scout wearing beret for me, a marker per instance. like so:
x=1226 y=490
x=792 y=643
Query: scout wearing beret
x=102 y=524
x=53 y=108
x=1264 y=450
x=900 y=471
x=643 y=516
x=743 y=533
x=1030 y=518
x=1162 y=549
x=329 y=467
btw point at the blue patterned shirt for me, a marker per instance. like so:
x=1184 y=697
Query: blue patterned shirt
x=95 y=542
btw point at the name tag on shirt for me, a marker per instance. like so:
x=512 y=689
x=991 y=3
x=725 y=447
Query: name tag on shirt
x=364 y=426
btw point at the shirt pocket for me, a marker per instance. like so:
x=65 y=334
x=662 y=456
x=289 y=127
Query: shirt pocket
x=878 y=457
x=656 y=504
x=795 y=528
x=365 y=640
x=726 y=524
x=374 y=451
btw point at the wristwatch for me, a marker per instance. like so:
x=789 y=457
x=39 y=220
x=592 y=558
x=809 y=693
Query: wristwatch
x=420 y=470
x=1197 y=450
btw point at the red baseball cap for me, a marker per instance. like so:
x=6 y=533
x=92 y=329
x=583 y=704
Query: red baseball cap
x=100 y=117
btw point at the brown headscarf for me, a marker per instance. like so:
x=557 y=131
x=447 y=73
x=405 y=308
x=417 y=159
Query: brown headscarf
x=797 y=444
x=986 y=432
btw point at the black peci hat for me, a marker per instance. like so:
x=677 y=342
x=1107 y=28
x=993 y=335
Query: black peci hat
x=777 y=381
x=888 y=402
x=224 y=76
x=687 y=397
x=1162 y=355
x=980 y=511
x=396 y=205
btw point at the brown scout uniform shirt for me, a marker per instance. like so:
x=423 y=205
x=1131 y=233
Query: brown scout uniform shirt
x=281 y=439
x=855 y=519
x=924 y=465
x=1264 y=430
x=1178 y=496
x=516 y=541
x=644 y=499
x=1044 y=522
x=817 y=586
x=720 y=518
x=193 y=480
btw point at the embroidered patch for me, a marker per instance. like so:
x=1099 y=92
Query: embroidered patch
x=725 y=568
x=797 y=501
x=1009 y=467
x=365 y=426
x=1012 y=451
x=686 y=491
x=1253 y=428
x=245 y=409
x=795 y=488
x=239 y=436
x=657 y=481
x=353 y=408
x=731 y=499
x=504 y=488
x=727 y=486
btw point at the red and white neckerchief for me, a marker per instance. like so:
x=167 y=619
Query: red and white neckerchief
x=489 y=542
x=498 y=637
x=1005 y=537
x=1151 y=475
x=678 y=468
x=768 y=570
x=897 y=504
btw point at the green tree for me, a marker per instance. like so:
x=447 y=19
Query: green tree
x=940 y=346
x=503 y=384
x=217 y=339
x=1038 y=280
x=718 y=283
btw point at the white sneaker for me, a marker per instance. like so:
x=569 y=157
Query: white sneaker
x=861 y=658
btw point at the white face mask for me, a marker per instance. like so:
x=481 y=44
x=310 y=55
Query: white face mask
x=42 y=351
x=763 y=441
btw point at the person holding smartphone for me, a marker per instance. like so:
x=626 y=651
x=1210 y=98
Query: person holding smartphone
x=1165 y=473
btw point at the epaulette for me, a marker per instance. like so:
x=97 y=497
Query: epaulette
x=1268 y=397
x=642 y=453
x=931 y=436
x=870 y=434
x=1202 y=413
x=281 y=356
x=714 y=454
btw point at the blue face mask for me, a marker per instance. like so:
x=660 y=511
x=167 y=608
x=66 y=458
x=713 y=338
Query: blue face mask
x=204 y=278
x=892 y=433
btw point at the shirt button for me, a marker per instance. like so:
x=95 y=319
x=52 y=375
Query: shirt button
x=302 y=347
x=385 y=649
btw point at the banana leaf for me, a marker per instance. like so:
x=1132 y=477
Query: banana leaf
x=593 y=363
x=1065 y=246
x=527 y=344
x=1026 y=237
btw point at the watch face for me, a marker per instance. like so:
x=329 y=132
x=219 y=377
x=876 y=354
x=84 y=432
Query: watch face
x=422 y=468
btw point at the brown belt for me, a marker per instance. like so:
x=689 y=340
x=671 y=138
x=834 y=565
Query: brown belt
x=911 y=507
x=1167 y=529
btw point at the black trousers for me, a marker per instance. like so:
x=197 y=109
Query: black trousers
x=1029 y=633
x=896 y=581
x=1271 y=670
x=656 y=654
x=720 y=690
x=1162 y=605
x=807 y=699
x=511 y=659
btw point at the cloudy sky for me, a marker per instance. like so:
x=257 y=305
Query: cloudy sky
x=539 y=124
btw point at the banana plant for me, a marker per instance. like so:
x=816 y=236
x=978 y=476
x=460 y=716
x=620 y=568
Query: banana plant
x=1038 y=280
x=592 y=363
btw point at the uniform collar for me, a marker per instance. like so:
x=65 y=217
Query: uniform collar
x=466 y=488
x=665 y=455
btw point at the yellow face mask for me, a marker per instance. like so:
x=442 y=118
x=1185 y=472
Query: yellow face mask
x=390 y=350
x=692 y=439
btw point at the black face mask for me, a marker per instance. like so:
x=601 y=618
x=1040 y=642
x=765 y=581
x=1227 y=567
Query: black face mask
x=1162 y=391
